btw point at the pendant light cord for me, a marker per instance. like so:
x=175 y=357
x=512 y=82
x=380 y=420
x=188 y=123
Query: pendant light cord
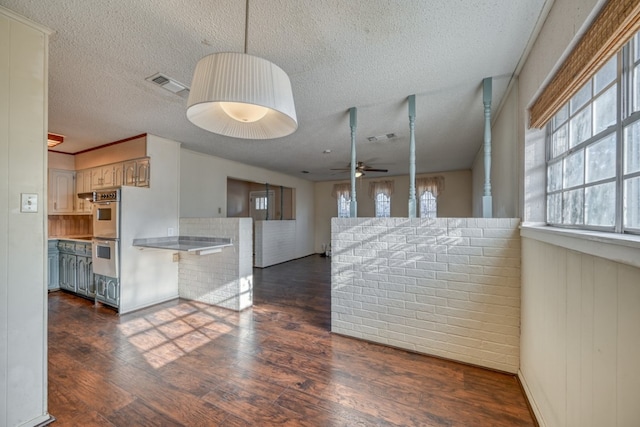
x=246 y=26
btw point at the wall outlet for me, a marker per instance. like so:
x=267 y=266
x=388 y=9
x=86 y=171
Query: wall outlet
x=170 y=231
x=176 y=257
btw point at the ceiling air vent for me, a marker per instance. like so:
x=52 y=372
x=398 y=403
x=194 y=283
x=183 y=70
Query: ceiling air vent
x=169 y=84
x=381 y=138
x=160 y=80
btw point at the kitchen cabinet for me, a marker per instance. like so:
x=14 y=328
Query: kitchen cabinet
x=103 y=177
x=107 y=290
x=84 y=279
x=83 y=185
x=137 y=172
x=76 y=267
x=61 y=191
x=68 y=277
x=53 y=258
x=118 y=174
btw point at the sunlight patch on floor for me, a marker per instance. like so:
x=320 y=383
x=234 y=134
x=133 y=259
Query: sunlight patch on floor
x=168 y=334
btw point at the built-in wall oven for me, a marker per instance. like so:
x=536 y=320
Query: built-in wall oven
x=106 y=214
x=105 y=257
x=106 y=233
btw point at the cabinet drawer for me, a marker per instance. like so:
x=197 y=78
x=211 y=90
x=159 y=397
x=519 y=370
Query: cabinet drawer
x=67 y=246
x=83 y=249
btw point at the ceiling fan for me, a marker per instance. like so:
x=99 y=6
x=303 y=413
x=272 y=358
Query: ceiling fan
x=361 y=168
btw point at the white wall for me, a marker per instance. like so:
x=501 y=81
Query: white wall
x=23 y=165
x=61 y=161
x=275 y=242
x=455 y=200
x=580 y=337
x=150 y=276
x=203 y=192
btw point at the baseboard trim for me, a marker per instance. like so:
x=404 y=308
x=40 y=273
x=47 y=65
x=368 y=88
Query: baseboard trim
x=531 y=402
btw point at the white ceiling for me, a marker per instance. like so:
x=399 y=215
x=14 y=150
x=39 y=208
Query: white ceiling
x=369 y=54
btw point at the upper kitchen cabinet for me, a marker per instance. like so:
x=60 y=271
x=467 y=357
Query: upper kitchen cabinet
x=136 y=172
x=118 y=174
x=103 y=177
x=61 y=191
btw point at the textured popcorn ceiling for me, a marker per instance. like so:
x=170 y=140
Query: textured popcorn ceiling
x=370 y=54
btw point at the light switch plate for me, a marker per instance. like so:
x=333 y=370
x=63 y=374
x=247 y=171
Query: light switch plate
x=28 y=202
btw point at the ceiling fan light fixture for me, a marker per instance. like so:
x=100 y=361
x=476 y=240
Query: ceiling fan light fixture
x=241 y=96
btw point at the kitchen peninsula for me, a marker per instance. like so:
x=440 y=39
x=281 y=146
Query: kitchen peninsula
x=191 y=244
x=224 y=279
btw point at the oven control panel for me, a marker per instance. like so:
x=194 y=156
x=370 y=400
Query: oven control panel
x=106 y=196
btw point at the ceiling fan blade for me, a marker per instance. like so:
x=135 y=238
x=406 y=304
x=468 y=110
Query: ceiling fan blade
x=375 y=170
x=340 y=169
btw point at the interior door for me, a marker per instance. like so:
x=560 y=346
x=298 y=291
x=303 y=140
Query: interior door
x=260 y=209
x=261 y=205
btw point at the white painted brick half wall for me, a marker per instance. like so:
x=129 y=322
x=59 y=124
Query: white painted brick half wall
x=275 y=242
x=223 y=279
x=447 y=287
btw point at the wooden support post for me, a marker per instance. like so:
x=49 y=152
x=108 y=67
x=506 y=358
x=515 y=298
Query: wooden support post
x=487 y=199
x=266 y=186
x=353 y=122
x=412 y=156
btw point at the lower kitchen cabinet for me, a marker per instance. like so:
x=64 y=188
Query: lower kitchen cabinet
x=53 y=259
x=84 y=277
x=68 y=277
x=107 y=290
x=75 y=268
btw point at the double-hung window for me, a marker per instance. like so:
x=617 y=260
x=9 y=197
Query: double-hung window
x=593 y=150
x=383 y=205
x=428 y=205
x=380 y=192
x=428 y=189
x=344 y=206
x=342 y=193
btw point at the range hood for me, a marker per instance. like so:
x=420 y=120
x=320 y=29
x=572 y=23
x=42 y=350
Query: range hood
x=90 y=196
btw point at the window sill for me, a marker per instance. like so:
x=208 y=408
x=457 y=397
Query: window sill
x=622 y=248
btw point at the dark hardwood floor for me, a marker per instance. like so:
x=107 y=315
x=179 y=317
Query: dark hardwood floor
x=186 y=363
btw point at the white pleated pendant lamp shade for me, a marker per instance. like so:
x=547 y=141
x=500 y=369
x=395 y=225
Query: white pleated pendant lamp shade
x=242 y=96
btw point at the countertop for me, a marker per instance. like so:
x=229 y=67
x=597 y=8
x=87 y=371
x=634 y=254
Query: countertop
x=191 y=244
x=80 y=238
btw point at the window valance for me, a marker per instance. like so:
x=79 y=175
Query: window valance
x=343 y=189
x=384 y=187
x=434 y=184
x=616 y=23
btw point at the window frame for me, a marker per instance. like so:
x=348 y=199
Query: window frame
x=626 y=63
x=432 y=201
x=382 y=211
x=344 y=206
